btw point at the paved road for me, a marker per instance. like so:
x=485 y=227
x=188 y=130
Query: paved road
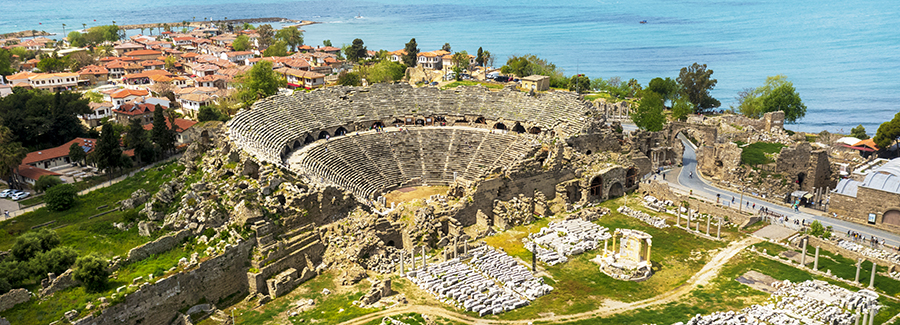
x=703 y=188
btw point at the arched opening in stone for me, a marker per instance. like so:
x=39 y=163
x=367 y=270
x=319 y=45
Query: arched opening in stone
x=204 y=137
x=891 y=217
x=309 y=139
x=596 y=189
x=800 y=178
x=323 y=135
x=377 y=125
x=573 y=193
x=500 y=126
x=480 y=120
x=340 y=131
x=534 y=130
x=296 y=144
x=630 y=177
x=390 y=243
x=397 y=122
x=616 y=190
x=588 y=152
x=420 y=122
x=518 y=128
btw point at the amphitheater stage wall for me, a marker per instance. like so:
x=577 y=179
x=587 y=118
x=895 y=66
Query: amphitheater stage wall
x=662 y=191
x=596 y=142
x=304 y=260
x=213 y=280
x=320 y=207
x=504 y=189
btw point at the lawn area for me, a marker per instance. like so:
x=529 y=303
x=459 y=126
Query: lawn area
x=97 y=234
x=472 y=83
x=755 y=153
x=579 y=286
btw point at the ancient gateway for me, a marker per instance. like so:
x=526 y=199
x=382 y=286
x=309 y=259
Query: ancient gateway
x=492 y=144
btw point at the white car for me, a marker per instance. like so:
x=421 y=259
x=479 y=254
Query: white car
x=6 y=192
x=19 y=196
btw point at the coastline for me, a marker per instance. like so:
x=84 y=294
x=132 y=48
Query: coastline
x=25 y=34
x=298 y=23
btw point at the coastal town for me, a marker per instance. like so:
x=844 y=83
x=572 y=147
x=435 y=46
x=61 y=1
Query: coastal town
x=232 y=173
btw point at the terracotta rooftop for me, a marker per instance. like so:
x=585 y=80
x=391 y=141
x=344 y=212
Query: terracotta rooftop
x=61 y=151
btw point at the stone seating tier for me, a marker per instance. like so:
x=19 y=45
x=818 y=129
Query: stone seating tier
x=281 y=123
x=370 y=163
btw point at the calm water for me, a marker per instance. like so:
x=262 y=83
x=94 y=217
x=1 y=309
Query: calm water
x=840 y=55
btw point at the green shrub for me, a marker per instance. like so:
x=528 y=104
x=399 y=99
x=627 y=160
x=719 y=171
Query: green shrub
x=30 y=244
x=4 y=286
x=91 y=270
x=61 y=197
x=45 y=182
x=57 y=260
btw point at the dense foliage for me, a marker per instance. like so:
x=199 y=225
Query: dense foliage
x=33 y=255
x=356 y=51
x=291 y=36
x=648 y=115
x=241 y=43
x=777 y=94
x=92 y=271
x=349 y=79
x=887 y=133
x=39 y=119
x=6 y=62
x=95 y=36
x=260 y=82
x=696 y=83
x=45 y=182
x=61 y=197
x=412 y=53
x=859 y=132
x=529 y=64
x=211 y=113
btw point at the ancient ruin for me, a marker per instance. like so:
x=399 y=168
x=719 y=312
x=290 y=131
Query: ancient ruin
x=629 y=258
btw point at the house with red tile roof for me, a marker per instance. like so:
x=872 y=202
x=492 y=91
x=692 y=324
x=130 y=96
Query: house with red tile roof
x=134 y=110
x=302 y=79
x=125 y=48
x=120 y=96
x=145 y=54
x=94 y=74
x=153 y=65
x=397 y=56
x=98 y=112
x=185 y=134
x=236 y=56
x=328 y=49
x=30 y=174
x=58 y=156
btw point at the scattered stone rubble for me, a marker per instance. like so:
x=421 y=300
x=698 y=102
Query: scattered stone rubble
x=869 y=251
x=490 y=283
x=564 y=238
x=646 y=218
x=809 y=302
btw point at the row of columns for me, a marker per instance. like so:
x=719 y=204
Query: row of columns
x=858 y=265
x=688 y=224
x=424 y=257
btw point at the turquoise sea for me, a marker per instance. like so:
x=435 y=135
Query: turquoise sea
x=842 y=56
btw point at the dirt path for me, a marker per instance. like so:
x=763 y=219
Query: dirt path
x=707 y=273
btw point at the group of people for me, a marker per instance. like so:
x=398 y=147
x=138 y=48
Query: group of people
x=873 y=241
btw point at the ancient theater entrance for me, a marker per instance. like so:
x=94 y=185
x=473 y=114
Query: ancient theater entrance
x=630 y=177
x=596 y=188
x=616 y=190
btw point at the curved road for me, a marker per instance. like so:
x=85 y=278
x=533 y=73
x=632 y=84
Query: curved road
x=701 y=187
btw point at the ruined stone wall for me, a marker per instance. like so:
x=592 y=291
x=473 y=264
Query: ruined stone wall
x=719 y=160
x=319 y=206
x=160 y=245
x=810 y=167
x=597 y=142
x=212 y=280
x=708 y=133
x=13 y=297
x=662 y=191
x=832 y=247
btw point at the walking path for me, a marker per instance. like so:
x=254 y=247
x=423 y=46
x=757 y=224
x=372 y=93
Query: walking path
x=610 y=307
x=16 y=213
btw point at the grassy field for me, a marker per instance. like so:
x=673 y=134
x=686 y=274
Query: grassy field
x=755 y=153
x=95 y=234
x=417 y=319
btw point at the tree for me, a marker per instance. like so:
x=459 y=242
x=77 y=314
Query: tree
x=412 y=53
x=859 y=132
x=76 y=39
x=61 y=197
x=39 y=119
x=52 y=63
x=326 y=42
x=667 y=88
x=460 y=63
x=887 y=133
x=649 y=113
x=785 y=98
x=241 y=43
x=76 y=152
x=681 y=108
x=356 y=51
x=819 y=230
x=79 y=60
x=529 y=64
x=210 y=113
x=107 y=152
x=291 y=36
x=696 y=84
x=32 y=243
x=347 y=79
x=136 y=137
x=56 y=260
x=266 y=33
x=279 y=48
x=446 y=47
x=161 y=134
x=580 y=83
x=384 y=71
x=260 y=82
x=170 y=62
x=11 y=155
x=518 y=66
x=479 y=57
x=45 y=182
x=92 y=271
x=488 y=59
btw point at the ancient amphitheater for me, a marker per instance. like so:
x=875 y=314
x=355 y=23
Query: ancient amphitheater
x=371 y=140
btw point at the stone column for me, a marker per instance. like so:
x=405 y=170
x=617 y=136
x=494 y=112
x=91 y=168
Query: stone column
x=872 y=316
x=648 y=250
x=856 y=322
x=802 y=257
x=605 y=245
x=816 y=261
x=678 y=216
x=465 y=248
x=718 y=228
x=698 y=224
x=424 y=258
x=401 y=264
x=872 y=281
x=688 y=219
x=533 y=257
x=858 y=266
x=865 y=317
x=456 y=247
x=707 y=225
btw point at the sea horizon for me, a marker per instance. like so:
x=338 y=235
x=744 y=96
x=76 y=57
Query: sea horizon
x=837 y=54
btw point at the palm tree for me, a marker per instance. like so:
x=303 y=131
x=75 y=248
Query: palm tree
x=83 y=27
x=114 y=22
x=64 y=30
x=142 y=30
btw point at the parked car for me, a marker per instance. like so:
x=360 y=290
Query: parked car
x=19 y=196
x=6 y=192
x=501 y=79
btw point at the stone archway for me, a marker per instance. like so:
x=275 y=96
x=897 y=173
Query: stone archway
x=309 y=139
x=596 y=188
x=616 y=190
x=340 y=131
x=480 y=120
x=324 y=135
x=420 y=122
x=891 y=217
x=534 y=130
x=296 y=144
x=800 y=178
x=518 y=128
x=500 y=126
x=204 y=137
x=630 y=177
x=377 y=125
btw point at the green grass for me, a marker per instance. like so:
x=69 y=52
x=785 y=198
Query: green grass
x=755 y=153
x=97 y=234
x=417 y=319
x=471 y=83
x=579 y=285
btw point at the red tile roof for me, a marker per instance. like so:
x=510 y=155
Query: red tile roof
x=129 y=92
x=61 y=151
x=93 y=69
x=144 y=52
x=182 y=124
x=135 y=109
x=31 y=172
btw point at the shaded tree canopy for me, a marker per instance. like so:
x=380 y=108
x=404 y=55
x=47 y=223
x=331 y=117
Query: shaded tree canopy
x=260 y=82
x=887 y=133
x=667 y=88
x=279 y=48
x=291 y=36
x=356 y=51
x=412 y=53
x=648 y=115
x=777 y=94
x=529 y=64
x=40 y=119
x=241 y=43
x=859 y=132
x=696 y=83
x=266 y=33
